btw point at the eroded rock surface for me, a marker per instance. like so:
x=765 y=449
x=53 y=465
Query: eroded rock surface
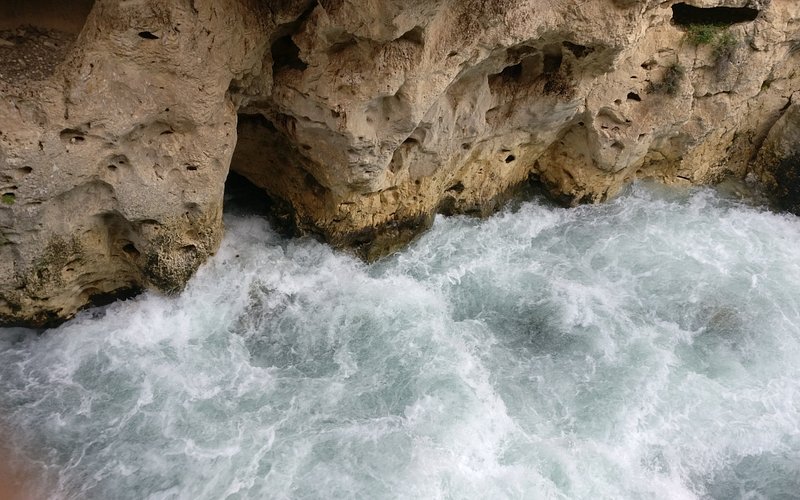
x=364 y=117
x=778 y=163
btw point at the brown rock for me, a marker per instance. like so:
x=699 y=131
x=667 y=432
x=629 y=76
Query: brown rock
x=365 y=118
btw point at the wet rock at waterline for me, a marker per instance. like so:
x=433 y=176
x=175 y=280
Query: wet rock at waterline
x=361 y=119
x=779 y=159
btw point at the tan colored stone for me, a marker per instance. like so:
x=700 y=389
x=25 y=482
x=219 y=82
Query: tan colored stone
x=365 y=117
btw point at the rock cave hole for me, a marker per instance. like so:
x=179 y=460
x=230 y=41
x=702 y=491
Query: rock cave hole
x=447 y=206
x=633 y=96
x=414 y=35
x=56 y=15
x=650 y=64
x=259 y=138
x=458 y=187
x=98 y=298
x=244 y=198
x=116 y=162
x=579 y=51
x=686 y=15
x=526 y=67
x=286 y=54
x=513 y=72
x=37 y=35
x=130 y=249
x=148 y=35
x=510 y=158
x=553 y=57
x=72 y=136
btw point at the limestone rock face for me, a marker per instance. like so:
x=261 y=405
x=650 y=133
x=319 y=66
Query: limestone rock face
x=365 y=117
x=778 y=163
x=113 y=167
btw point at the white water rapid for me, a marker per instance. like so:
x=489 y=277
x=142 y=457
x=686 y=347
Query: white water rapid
x=648 y=347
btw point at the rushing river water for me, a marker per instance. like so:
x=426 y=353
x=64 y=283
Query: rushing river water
x=648 y=347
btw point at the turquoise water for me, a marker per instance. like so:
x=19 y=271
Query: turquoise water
x=648 y=347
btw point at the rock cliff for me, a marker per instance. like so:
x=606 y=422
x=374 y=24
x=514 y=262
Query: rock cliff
x=120 y=120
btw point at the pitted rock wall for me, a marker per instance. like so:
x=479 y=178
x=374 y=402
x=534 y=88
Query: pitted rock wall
x=366 y=118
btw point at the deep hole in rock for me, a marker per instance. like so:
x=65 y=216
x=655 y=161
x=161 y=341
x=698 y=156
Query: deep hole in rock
x=242 y=197
x=72 y=136
x=117 y=161
x=97 y=298
x=633 y=96
x=130 y=249
x=414 y=35
x=267 y=168
x=513 y=72
x=579 y=51
x=685 y=15
x=66 y=16
x=148 y=35
x=286 y=54
x=552 y=62
x=37 y=35
x=458 y=187
x=510 y=158
x=787 y=182
x=447 y=206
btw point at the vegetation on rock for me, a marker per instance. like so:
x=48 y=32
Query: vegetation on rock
x=670 y=83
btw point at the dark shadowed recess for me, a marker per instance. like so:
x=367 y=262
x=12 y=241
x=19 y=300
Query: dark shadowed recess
x=786 y=195
x=242 y=197
x=686 y=15
x=61 y=15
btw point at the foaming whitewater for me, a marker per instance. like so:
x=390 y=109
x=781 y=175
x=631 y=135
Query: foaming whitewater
x=648 y=347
